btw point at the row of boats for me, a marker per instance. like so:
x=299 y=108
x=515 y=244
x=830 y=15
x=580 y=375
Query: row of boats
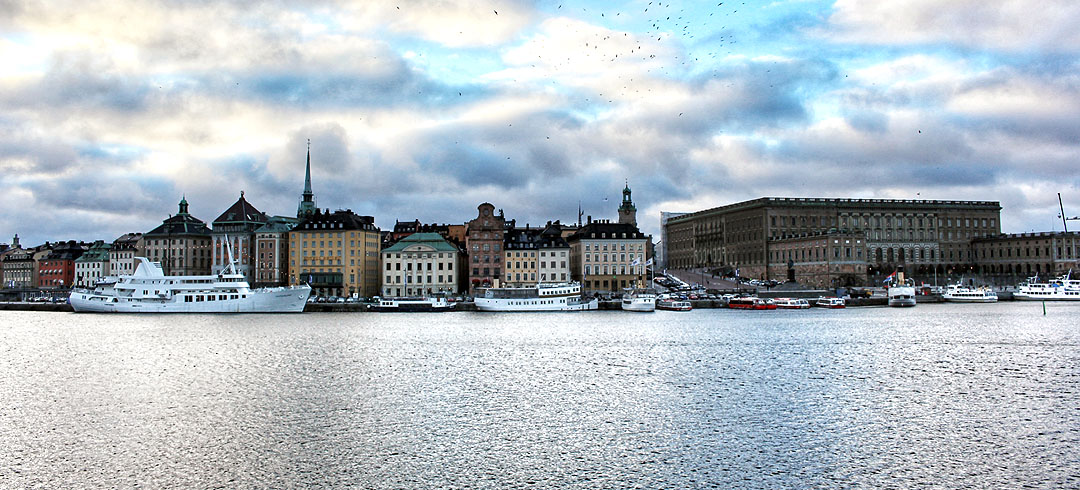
x=149 y=290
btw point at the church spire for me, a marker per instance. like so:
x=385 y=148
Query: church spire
x=307 y=202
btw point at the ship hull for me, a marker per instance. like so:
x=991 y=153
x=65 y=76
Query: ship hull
x=277 y=300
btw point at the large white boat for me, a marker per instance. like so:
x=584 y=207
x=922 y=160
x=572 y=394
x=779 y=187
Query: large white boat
x=542 y=297
x=959 y=293
x=149 y=290
x=1061 y=288
x=419 y=304
x=902 y=294
x=639 y=300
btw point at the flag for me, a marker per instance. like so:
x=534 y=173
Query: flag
x=648 y=262
x=889 y=277
x=636 y=261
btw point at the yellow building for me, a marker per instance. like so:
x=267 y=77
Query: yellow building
x=336 y=253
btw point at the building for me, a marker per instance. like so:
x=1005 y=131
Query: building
x=627 y=210
x=1015 y=256
x=123 y=252
x=92 y=265
x=336 y=253
x=18 y=266
x=924 y=235
x=824 y=260
x=307 y=205
x=421 y=264
x=234 y=235
x=181 y=244
x=535 y=255
x=56 y=270
x=272 y=251
x=484 y=242
x=608 y=257
x=662 y=247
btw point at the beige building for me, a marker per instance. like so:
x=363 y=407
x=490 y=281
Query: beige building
x=608 y=257
x=123 y=252
x=1020 y=255
x=336 y=253
x=421 y=264
x=536 y=255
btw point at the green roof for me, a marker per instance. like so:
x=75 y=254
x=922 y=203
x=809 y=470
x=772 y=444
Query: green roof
x=433 y=240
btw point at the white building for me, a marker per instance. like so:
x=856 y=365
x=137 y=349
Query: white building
x=420 y=264
x=92 y=265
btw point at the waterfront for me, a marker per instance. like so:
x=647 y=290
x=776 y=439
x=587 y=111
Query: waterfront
x=955 y=396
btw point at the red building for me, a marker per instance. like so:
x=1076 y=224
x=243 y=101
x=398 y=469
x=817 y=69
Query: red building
x=484 y=241
x=57 y=270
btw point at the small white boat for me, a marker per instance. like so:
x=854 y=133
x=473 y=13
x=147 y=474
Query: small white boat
x=673 y=305
x=639 y=300
x=830 y=302
x=903 y=292
x=958 y=293
x=792 y=304
x=419 y=304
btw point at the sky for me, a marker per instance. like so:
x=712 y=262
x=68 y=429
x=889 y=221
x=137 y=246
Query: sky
x=112 y=110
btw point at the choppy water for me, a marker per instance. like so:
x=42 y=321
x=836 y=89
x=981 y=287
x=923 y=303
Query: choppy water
x=949 y=396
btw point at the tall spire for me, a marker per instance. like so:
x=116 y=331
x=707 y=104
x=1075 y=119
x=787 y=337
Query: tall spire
x=307 y=202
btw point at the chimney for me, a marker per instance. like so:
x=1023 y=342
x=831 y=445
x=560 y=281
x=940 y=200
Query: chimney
x=590 y=219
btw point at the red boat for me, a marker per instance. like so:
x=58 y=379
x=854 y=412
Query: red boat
x=751 y=303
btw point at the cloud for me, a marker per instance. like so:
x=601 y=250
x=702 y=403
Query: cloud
x=1006 y=25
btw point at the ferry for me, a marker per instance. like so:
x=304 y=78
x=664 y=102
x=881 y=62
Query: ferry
x=792 y=304
x=1062 y=288
x=418 y=304
x=673 y=305
x=903 y=292
x=830 y=302
x=639 y=300
x=751 y=303
x=958 y=293
x=542 y=297
x=149 y=290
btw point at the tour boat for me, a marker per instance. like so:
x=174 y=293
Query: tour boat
x=958 y=293
x=751 y=303
x=1062 y=288
x=418 y=304
x=902 y=294
x=673 y=305
x=639 y=300
x=541 y=297
x=149 y=290
x=830 y=302
x=792 y=303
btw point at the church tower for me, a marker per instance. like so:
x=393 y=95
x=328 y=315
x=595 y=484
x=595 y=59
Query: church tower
x=627 y=211
x=307 y=201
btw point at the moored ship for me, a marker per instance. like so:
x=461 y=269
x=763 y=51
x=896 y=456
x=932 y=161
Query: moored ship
x=541 y=297
x=751 y=303
x=639 y=300
x=410 y=305
x=792 y=304
x=902 y=293
x=149 y=290
x=959 y=293
x=670 y=304
x=1061 y=288
x=830 y=302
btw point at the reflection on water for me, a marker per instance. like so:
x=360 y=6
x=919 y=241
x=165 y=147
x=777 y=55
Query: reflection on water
x=954 y=396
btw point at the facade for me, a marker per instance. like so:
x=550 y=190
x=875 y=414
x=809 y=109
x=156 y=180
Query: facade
x=235 y=229
x=92 y=265
x=484 y=242
x=336 y=253
x=182 y=244
x=57 y=269
x=606 y=256
x=1021 y=255
x=421 y=264
x=123 y=252
x=662 y=247
x=535 y=255
x=272 y=251
x=18 y=266
x=924 y=235
x=823 y=260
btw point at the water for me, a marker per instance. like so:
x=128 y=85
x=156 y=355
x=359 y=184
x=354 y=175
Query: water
x=952 y=396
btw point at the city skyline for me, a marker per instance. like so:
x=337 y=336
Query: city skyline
x=426 y=109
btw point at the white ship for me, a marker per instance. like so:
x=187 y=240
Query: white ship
x=1062 y=288
x=419 y=304
x=542 y=297
x=959 y=293
x=639 y=300
x=903 y=292
x=149 y=290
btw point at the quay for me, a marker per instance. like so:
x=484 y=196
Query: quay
x=604 y=305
